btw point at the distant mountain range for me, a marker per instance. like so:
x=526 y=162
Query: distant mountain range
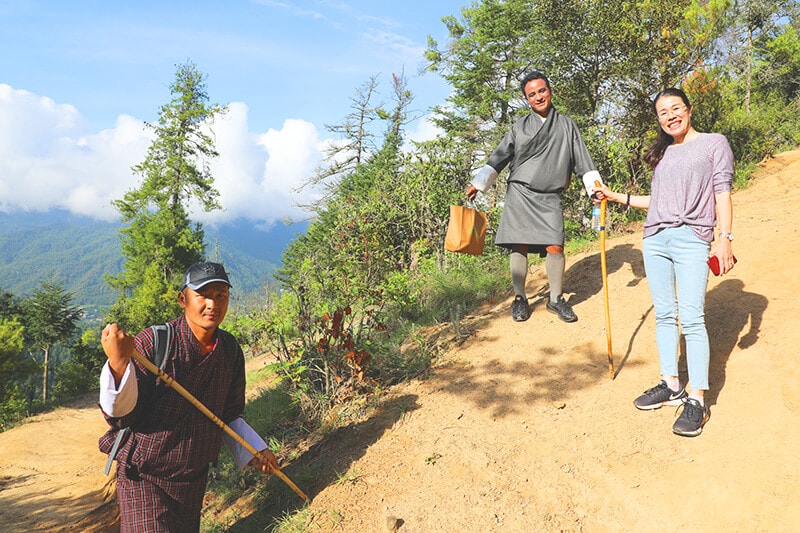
x=80 y=251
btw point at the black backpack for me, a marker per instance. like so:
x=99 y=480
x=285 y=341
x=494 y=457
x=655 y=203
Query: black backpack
x=162 y=335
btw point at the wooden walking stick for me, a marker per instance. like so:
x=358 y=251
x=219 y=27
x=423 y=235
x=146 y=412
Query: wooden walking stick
x=166 y=378
x=605 y=279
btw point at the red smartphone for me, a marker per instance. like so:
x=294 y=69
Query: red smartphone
x=713 y=264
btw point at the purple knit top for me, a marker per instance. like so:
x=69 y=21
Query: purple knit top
x=685 y=182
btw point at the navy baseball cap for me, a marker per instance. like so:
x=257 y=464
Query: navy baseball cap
x=199 y=275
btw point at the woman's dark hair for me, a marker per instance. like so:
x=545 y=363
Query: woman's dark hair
x=656 y=152
x=530 y=76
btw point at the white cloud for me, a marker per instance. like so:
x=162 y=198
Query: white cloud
x=424 y=130
x=47 y=161
x=259 y=175
x=393 y=46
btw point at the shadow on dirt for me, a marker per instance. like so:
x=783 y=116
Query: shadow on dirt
x=733 y=318
x=324 y=463
x=730 y=310
x=511 y=387
x=618 y=366
x=34 y=510
x=585 y=277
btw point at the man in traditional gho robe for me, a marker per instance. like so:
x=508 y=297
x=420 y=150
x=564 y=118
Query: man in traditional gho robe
x=542 y=151
x=162 y=443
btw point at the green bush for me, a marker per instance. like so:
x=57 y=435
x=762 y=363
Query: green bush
x=14 y=407
x=72 y=379
x=448 y=291
x=272 y=414
x=763 y=132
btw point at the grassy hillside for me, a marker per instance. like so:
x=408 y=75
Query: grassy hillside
x=80 y=251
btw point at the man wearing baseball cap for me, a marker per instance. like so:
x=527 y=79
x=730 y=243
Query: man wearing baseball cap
x=163 y=444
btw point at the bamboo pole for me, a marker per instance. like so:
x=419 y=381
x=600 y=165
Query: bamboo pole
x=605 y=280
x=166 y=378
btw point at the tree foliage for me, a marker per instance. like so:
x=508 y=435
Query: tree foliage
x=490 y=48
x=49 y=317
x=12 y=336
x=80 y=372
x=354 y=142
x=753 y=31
x=780 y=69
x=373 y=223
x=161 y=241
x=383 y=219
x=10 y=305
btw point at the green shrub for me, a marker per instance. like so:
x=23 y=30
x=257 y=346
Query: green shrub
x=14 y=407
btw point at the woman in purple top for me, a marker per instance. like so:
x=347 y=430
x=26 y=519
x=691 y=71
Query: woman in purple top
x=689 y=196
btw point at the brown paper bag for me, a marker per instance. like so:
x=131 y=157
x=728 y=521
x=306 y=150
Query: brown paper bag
x=466 y=231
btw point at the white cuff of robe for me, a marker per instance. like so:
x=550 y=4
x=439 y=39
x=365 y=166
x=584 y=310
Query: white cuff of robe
x=485 y=178
x=119 y=400
x=240 y=454
x=588 y=181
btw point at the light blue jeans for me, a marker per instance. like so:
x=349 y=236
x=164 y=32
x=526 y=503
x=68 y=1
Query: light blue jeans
x=677 y=273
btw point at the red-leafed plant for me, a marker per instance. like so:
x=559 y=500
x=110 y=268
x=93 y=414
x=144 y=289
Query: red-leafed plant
x=328 y=360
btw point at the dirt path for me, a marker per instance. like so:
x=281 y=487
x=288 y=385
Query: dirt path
x=520 y=428
x=524 y=430
x=51 y=473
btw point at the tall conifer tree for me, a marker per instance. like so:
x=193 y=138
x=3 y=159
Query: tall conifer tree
x=161 y=241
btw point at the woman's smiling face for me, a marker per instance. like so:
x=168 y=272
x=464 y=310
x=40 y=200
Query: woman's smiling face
x=674 y=116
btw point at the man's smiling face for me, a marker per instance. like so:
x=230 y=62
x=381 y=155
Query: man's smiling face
x=539 y=96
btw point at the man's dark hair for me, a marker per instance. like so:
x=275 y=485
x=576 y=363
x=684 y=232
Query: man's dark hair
x=530 y=76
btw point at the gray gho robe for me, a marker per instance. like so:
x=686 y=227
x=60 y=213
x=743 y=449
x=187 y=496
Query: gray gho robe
x=541 y=156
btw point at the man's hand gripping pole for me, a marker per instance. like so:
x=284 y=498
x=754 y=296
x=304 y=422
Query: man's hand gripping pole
x=166 y=378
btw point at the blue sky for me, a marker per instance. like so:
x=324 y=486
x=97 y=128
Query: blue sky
x=78 y=78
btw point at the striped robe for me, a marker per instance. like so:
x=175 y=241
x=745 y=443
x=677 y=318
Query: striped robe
x=162 y=465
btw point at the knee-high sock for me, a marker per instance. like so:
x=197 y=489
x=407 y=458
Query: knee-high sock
x=554 y=266
x=519 y=272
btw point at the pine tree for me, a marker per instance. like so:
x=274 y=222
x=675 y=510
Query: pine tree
x=161 y=241
x=49 y=318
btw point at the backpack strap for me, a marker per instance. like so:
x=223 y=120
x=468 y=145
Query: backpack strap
x=162 y=335
x=115 y=448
